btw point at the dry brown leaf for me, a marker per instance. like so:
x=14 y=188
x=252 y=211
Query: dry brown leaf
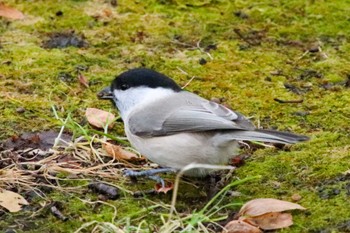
x=9 y=12
x=238 y=226
x=117 y=152
x=271 y=221
x=262 y=206
x=83 y=80
x=40 y=140
x=11 y=201
x=296 y=197
x=168 y=186
x=99 y=118
x=107 y=12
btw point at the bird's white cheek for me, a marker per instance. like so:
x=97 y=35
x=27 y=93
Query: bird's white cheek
x=122 y=103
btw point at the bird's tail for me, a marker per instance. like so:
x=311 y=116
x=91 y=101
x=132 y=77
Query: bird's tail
x=264 y=135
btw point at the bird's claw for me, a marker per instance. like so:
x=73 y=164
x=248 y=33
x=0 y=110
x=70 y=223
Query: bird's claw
x=151 y=174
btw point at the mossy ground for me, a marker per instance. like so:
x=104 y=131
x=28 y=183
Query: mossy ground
x=259 y=46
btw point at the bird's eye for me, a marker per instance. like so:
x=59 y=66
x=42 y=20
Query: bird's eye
x=124 y=86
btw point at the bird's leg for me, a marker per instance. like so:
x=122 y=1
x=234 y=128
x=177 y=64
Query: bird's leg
x=151 y=174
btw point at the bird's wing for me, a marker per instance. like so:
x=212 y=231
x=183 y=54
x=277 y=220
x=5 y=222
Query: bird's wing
x=185 y=112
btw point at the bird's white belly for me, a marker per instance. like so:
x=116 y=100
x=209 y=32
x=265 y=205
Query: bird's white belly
x=179 y=150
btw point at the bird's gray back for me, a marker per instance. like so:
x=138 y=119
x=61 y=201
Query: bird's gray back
x=184 y=112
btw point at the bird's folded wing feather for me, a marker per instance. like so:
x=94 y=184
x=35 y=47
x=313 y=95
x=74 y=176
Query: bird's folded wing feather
x=185 y=112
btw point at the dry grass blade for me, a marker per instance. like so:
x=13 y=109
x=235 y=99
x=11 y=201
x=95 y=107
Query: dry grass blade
x=13 y=177
x=83 y=80
x=79 y=159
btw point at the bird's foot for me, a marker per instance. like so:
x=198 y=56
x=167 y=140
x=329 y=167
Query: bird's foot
x=151 y=174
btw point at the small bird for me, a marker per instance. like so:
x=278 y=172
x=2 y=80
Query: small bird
x=173 y=127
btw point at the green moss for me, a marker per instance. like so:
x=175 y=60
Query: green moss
x=249 y=69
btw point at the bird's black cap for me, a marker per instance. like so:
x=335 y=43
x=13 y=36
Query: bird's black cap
x=143 y=77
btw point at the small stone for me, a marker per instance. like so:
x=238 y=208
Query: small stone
x=323 y=56
x=66 y=77
x=243 y=47
x=20 y=110
x=314 y=49
x=301 y=113
x=241 y=14
x=347 y=82
x=296 y=197
x=210 y=47
x=276 y=72
x=114 y=3
x=306 y=85
x=62 y=40
x=336 y=191
x=59 y=13
x=202 y=61
x=10 y=231
x=268 y=79
x=276 y=184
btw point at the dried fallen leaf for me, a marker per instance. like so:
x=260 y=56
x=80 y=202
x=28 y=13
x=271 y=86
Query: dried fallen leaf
x=35 y=139
x=296 y=197
x=40 y=140
x=238 y=226
x=99 y=118
x=11 y=201
x=117 y=152
x=262 y=206
x=168 y=186
x=9 y=12
x=83 y=80
x=271 y=221
x=107 y=12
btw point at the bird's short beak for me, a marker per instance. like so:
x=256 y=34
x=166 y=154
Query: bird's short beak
x=105 y=94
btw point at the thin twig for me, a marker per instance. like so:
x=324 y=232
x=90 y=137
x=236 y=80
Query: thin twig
x=187 y=74
x=288 y=101
x=207 y=53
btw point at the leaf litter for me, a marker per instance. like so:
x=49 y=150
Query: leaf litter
x=117 y=152
x=99 y=118
x=262 y=206
x=11 y=201
x=30 y=163
x=262 y=213
x=168 y=187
